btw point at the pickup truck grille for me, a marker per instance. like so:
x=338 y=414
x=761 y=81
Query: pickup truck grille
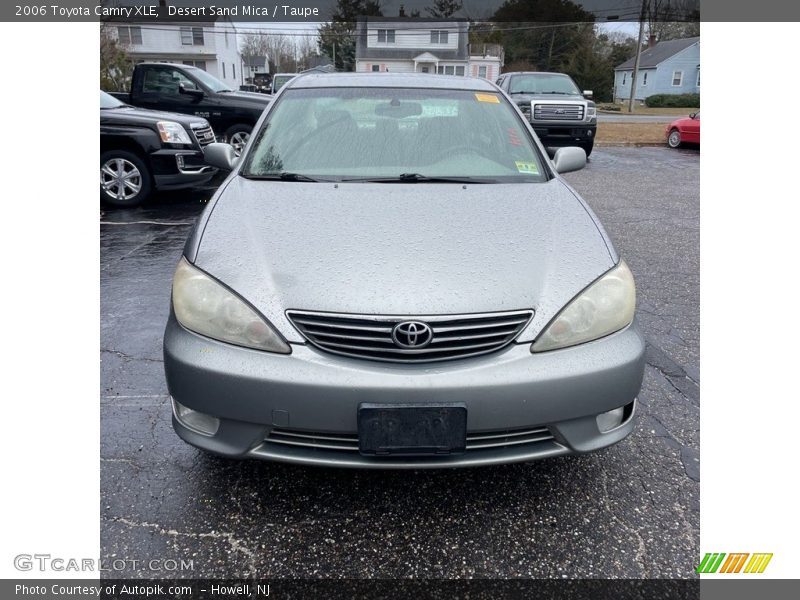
x=558 y=112
x=203 y=134
x=434 y=338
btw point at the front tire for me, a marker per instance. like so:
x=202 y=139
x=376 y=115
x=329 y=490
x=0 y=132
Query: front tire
x=237 y=136
x=124 y=178
x=587 y=147
x=674 y=139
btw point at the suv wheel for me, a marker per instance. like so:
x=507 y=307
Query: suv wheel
x=124 y=178
x=587 y=146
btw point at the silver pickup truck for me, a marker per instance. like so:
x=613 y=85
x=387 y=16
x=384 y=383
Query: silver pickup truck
x=558 y=111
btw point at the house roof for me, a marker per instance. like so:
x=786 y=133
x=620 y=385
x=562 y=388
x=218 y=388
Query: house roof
x=654 y=56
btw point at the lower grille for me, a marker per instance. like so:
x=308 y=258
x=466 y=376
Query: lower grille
x=348 y=442
x=558 y=112
x=435 y=338
x=203 y=134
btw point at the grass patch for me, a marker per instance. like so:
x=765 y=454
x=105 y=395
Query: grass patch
x=650 y=110
x=635 y=133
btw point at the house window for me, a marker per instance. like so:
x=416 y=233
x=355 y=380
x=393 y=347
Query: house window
x=192 y=36
x=376 y=68
x=386 y=36
x=460 y=71
x=223 y=71
x=644 y=78
x=482 y=71
x=226 y=39
x=129 y=35
x=624 y=79
x=438 y=36
x=233 y=66
x=677 y=78
x=200 y=64
x=698 y=76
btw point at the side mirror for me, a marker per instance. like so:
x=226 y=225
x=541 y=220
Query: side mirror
x=221 y=156
x=692 y=115
x=588 y=93
x=193 y=92
x=565 y=160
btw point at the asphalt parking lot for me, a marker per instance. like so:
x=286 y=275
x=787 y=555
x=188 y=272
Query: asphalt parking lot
x=630 y=511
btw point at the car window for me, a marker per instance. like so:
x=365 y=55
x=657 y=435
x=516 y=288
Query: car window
x=386 y=132
x=108 y=101
x=543 y=83
x=165 y=81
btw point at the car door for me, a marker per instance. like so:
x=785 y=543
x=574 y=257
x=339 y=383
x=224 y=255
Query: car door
x=161 y=91
x=691 y=131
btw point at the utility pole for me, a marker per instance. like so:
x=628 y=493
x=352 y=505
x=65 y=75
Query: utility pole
x=638 y=55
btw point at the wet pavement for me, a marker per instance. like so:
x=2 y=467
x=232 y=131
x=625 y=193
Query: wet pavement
x=631 y=510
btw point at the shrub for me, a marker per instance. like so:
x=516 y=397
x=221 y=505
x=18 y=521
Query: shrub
x=673 y=100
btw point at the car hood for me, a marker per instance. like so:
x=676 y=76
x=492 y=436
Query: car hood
x=248 y=98
x=551 y=97
x=131 y=114
x=683 y=122
x=402 y=249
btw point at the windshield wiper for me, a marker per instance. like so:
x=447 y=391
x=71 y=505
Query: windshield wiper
x=283 y=176
x=560 y=93
x=417 y=178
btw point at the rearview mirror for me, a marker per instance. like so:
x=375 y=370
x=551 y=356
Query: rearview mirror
x=398 y=110
x=194 y=92
x=567 y=159
x=221 y=156
x=588 y=93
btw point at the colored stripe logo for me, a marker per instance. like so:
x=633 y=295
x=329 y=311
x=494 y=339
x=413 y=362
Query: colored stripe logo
x=719 y=562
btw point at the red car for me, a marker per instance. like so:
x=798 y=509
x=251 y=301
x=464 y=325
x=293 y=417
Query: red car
x=684 y=131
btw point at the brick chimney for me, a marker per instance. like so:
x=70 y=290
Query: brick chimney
x=402 y=11
x=651 y=40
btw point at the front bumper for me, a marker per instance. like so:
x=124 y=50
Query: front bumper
x=177 y=169
x=559 y=134
x=550 y=399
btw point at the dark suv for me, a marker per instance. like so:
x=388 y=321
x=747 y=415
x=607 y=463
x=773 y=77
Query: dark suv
x=558 y=111
x=142 y=150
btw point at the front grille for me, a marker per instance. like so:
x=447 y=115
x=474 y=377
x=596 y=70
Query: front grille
x=558 y=112
x=348 y=442
x=371 y=336
x=203 y=134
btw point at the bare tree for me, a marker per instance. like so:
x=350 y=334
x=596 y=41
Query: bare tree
x=116 y=64
x=442 y=9
x=671 y=19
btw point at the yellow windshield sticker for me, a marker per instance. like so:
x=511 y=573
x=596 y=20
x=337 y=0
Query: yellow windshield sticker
x=487 y=98
x=527 y=167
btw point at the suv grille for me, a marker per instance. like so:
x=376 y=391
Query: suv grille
x=348 y=442
x=203 y=134
x=373 y=336
x=558 y=112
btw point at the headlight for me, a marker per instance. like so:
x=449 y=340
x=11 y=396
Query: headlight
x=173 y=133
x=591 y=111
x=604 y=307
x=205 y=306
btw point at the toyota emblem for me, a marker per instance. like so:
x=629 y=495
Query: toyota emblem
x=412 y=334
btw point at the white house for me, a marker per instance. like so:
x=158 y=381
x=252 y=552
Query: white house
x=421 y=45
x=211 y=46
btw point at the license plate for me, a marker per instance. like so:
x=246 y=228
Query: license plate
x=411 y=429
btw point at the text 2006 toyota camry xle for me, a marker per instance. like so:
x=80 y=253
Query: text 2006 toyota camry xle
x=395 y=275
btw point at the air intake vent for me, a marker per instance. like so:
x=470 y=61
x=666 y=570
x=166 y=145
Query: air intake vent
x=410 y=339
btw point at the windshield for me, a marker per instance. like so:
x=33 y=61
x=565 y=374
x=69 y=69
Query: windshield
x=374 y=133
x=543 y=83
x=211 y=82
x=279 y=80
x=108 y=101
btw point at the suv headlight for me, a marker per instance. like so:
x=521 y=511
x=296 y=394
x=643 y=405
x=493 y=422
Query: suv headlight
x=205 y=306
x=591 y=112
x=604 y=307
x=173 y=133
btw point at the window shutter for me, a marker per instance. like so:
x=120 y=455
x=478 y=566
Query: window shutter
x=474 y=70
x=383 y=67
x=369 y=66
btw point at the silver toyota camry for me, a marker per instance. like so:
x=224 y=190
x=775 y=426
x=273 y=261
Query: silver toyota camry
x=394 y=275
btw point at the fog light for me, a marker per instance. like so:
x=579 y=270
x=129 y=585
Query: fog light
x=196 y=421
x=589 y=132
x=609 y=420
x=179 y=160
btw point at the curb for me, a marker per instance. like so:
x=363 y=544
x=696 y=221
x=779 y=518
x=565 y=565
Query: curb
x=629 y=144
